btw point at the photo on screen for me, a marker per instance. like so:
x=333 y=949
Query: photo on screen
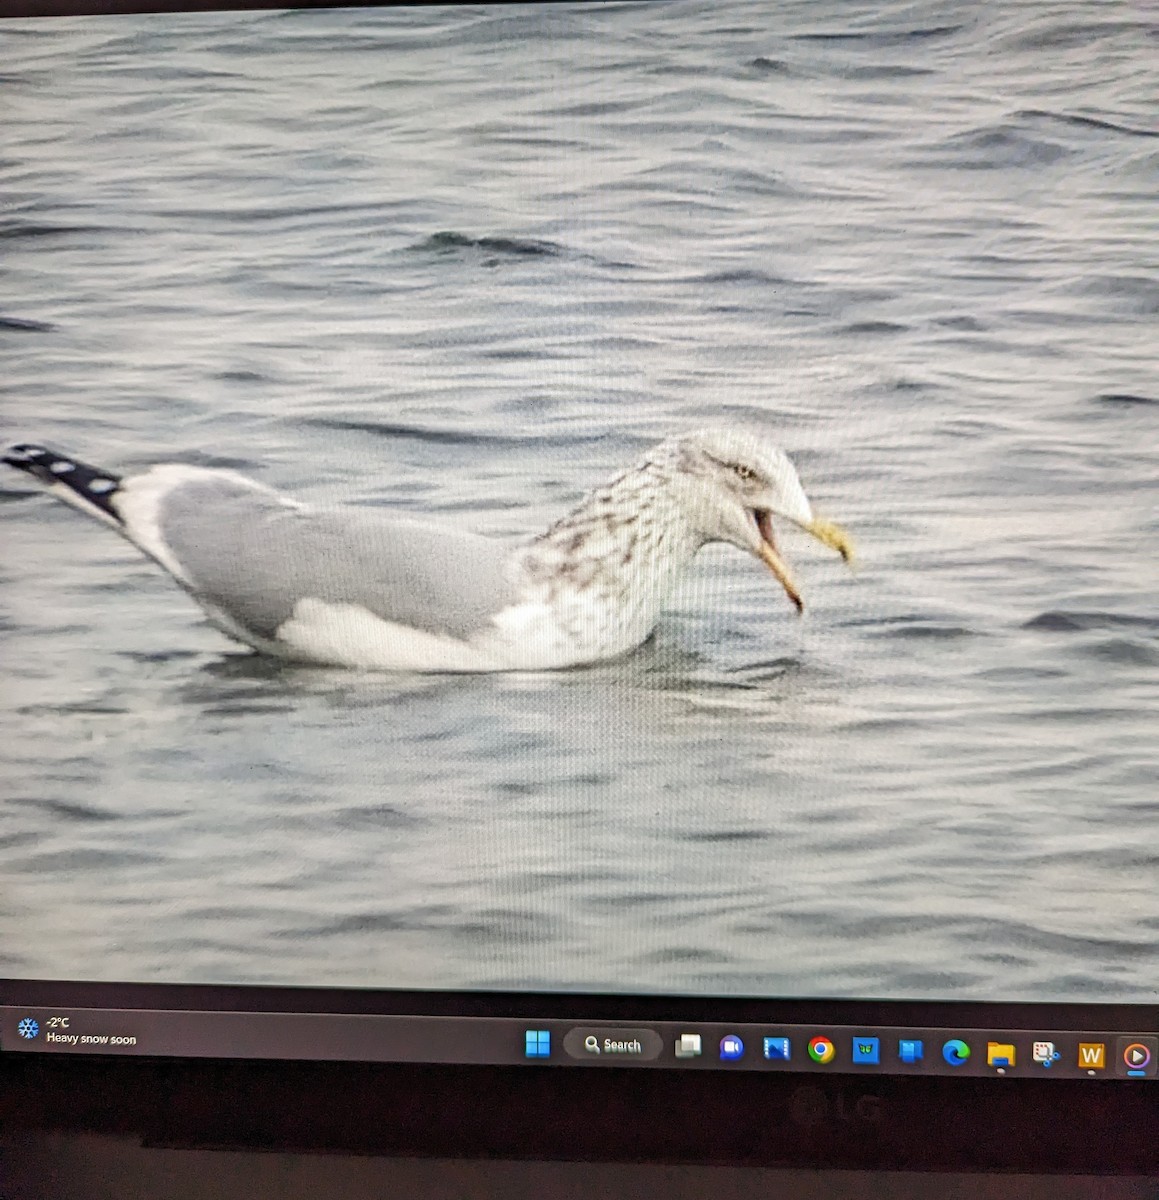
x=596 y=498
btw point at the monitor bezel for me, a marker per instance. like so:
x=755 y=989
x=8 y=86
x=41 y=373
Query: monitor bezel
x=619 y=1115
x=839 y=1121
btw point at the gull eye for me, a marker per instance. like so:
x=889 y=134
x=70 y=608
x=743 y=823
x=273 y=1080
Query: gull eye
x=745 y=473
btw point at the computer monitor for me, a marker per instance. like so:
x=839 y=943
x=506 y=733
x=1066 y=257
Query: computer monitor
x=636 y=551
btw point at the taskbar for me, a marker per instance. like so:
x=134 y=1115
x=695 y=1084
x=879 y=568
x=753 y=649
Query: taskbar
x=506 y=1041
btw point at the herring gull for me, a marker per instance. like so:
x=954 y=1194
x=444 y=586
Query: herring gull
x=378 y=591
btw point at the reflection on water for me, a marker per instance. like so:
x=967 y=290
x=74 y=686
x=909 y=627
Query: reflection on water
x=472 y=269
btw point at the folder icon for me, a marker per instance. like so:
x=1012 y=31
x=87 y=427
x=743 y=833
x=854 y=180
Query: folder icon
x=999 y=1054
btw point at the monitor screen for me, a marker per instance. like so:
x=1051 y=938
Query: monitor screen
x=583 y=501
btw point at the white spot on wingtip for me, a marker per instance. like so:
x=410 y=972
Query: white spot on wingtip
x=100 y=486
x=61 y=467
x=26 y=453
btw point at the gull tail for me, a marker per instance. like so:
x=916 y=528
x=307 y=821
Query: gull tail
x=87 y=488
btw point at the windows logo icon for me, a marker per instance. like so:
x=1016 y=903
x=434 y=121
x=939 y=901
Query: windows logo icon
x=537 y=1043
x=27 y=1028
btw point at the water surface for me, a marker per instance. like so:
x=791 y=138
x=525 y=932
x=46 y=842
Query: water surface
x=467 y=263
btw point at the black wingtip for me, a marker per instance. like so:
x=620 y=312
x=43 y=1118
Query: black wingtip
x=89 y=484
x=27 y=456
x=24 y=453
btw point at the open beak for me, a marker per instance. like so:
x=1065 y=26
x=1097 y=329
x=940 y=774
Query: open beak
x=824 y=531
x=833 y=536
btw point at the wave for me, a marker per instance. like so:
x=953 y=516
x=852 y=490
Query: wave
x=452 y=437
x=1124 y=399
x=1070 y=621
x=20 y=230
x=24 y=325
x=448 y=242
x=883 y=38
x=993 y=147
x=1076 y=120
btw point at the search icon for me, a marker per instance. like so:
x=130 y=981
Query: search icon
x=592 y=1044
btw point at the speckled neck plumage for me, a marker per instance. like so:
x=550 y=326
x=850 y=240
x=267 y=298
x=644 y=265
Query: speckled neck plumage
x=628 y=541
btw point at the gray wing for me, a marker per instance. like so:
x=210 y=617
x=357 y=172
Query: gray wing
x=253 y=555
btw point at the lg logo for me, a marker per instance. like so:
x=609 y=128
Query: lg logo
x=811 y=1108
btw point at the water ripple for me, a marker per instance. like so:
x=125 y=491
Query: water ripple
x=916 y=249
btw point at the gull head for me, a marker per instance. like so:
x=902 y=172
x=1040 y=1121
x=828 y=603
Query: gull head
x=733 y=483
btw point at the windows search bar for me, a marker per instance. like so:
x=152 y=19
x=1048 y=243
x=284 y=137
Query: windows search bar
x=608 y=1045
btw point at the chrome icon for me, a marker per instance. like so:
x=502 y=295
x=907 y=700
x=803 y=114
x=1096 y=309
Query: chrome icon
x=822 y=1050
x=955 y=1052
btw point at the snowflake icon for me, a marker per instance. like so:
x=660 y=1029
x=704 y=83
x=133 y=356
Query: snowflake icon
x=28 y=1028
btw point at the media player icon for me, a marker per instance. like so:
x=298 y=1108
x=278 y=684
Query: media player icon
x=1136 y=1057
x=1139 y=1056
x=778 y=1049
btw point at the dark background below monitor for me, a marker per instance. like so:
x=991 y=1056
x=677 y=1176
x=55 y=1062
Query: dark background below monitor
x=48 y=1106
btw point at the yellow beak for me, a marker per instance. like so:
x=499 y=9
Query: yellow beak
x=833 y=536
x=827 y=532
x=776 y=564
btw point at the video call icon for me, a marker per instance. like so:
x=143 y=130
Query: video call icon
x=731 y=1047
